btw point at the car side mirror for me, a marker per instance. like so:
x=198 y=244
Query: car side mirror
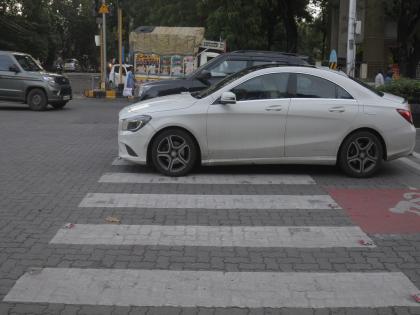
x=228 y=98
x=14 y=69
x=204 y=75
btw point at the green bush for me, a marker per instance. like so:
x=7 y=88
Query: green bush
x=407 y=88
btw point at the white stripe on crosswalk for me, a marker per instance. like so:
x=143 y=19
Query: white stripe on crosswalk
x=181 y=201
x=121 y=162
x=223 y=236
x=212 y=288
x=260 y=179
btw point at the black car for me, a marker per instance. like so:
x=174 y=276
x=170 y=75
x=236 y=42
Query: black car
x=215 y=70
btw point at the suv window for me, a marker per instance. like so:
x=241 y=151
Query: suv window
x=27 y=63
x=265 y=62
x=269 y=86
x=5 y=63
x=228 y=67
x=309 y=86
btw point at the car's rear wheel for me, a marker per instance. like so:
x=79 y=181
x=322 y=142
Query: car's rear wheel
x=59 y=105
x=174 y=152
x=37 y=100
x=361 y=154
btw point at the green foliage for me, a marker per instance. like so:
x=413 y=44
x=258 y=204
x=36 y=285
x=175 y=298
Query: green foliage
x=407 y=88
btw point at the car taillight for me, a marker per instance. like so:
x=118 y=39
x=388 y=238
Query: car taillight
x=406 y=114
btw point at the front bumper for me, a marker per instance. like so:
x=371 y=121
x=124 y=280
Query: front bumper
x=59 y=93
x=132 y=146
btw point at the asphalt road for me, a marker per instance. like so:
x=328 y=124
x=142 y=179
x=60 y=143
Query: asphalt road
x=82 y=232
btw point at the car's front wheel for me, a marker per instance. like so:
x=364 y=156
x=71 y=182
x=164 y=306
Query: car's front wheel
x=361 y=154
x=37 y=100
x=174 y=152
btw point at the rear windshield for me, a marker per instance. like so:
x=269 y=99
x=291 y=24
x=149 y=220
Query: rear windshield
x=69 y=60
x=367 y=86
x=28 y=63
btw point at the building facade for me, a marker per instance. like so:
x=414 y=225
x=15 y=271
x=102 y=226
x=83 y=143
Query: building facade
x=376 y=42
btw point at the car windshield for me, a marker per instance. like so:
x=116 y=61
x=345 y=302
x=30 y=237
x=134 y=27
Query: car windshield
x=28 y=63
x=229 y=79
x=198 y=70
x=367 y=86
x=69 y=60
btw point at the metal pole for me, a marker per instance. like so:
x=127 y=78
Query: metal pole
x=351 y=43
x=102 y=58
x=120 y=41
x=104 y=48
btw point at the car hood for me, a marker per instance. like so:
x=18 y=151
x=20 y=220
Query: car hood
x=393 y=98
x=160 y=104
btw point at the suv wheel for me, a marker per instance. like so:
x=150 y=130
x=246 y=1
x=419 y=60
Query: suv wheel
x=37 y=100
x=174 y=153
x=59 y=105
x=361 y=154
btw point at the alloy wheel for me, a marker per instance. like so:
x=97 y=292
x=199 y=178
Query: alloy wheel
x=173 y=153
x=362 y=155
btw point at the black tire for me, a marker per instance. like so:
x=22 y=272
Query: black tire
x=59 y=105
x=174 y=153
x=361 y=154
x=37 y=100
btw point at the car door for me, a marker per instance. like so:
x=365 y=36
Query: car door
x=253 y=127
x=320 y=114
x=11 y=82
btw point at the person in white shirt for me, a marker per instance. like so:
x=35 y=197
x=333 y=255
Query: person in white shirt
x=379 y=79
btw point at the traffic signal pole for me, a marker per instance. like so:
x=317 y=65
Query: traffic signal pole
x=104 y=63
x=120 y=42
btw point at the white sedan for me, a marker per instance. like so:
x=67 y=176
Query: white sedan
x=270 y=115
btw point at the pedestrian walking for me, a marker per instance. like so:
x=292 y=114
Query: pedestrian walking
x=379 y=80
x=389 y=75
x=130 y=82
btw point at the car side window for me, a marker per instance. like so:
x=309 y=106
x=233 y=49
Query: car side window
x=228 y=67
x=309 y=86
x=5 y=63
x=269 y=86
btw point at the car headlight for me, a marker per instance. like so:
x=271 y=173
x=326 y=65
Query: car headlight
x=49 y=79
x=136 y=123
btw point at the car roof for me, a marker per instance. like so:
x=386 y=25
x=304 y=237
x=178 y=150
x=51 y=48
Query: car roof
x=6 y=52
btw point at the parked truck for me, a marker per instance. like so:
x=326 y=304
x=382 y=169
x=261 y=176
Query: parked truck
x=170 y=52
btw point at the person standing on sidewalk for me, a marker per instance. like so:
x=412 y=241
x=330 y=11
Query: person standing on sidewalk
x=379 y=80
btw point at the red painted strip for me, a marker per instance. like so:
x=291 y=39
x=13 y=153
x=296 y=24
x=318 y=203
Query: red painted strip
x=370 y=209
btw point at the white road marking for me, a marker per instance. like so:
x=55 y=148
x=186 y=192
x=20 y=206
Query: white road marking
x=180 y=201
x=222 y=236
x=410 y=163
x=122 y=162
x=213 y=288
x=262 y=179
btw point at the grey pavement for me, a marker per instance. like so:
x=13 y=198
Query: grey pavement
x=50 y=161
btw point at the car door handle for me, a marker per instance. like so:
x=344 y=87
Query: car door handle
x=274 y=108
x=338 y=109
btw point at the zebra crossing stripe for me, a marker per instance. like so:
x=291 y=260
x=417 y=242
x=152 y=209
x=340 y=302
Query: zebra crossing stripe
x=260 y=179
x=218 y=236
x=182 y=201
x=121 y=162
x=213 y=288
